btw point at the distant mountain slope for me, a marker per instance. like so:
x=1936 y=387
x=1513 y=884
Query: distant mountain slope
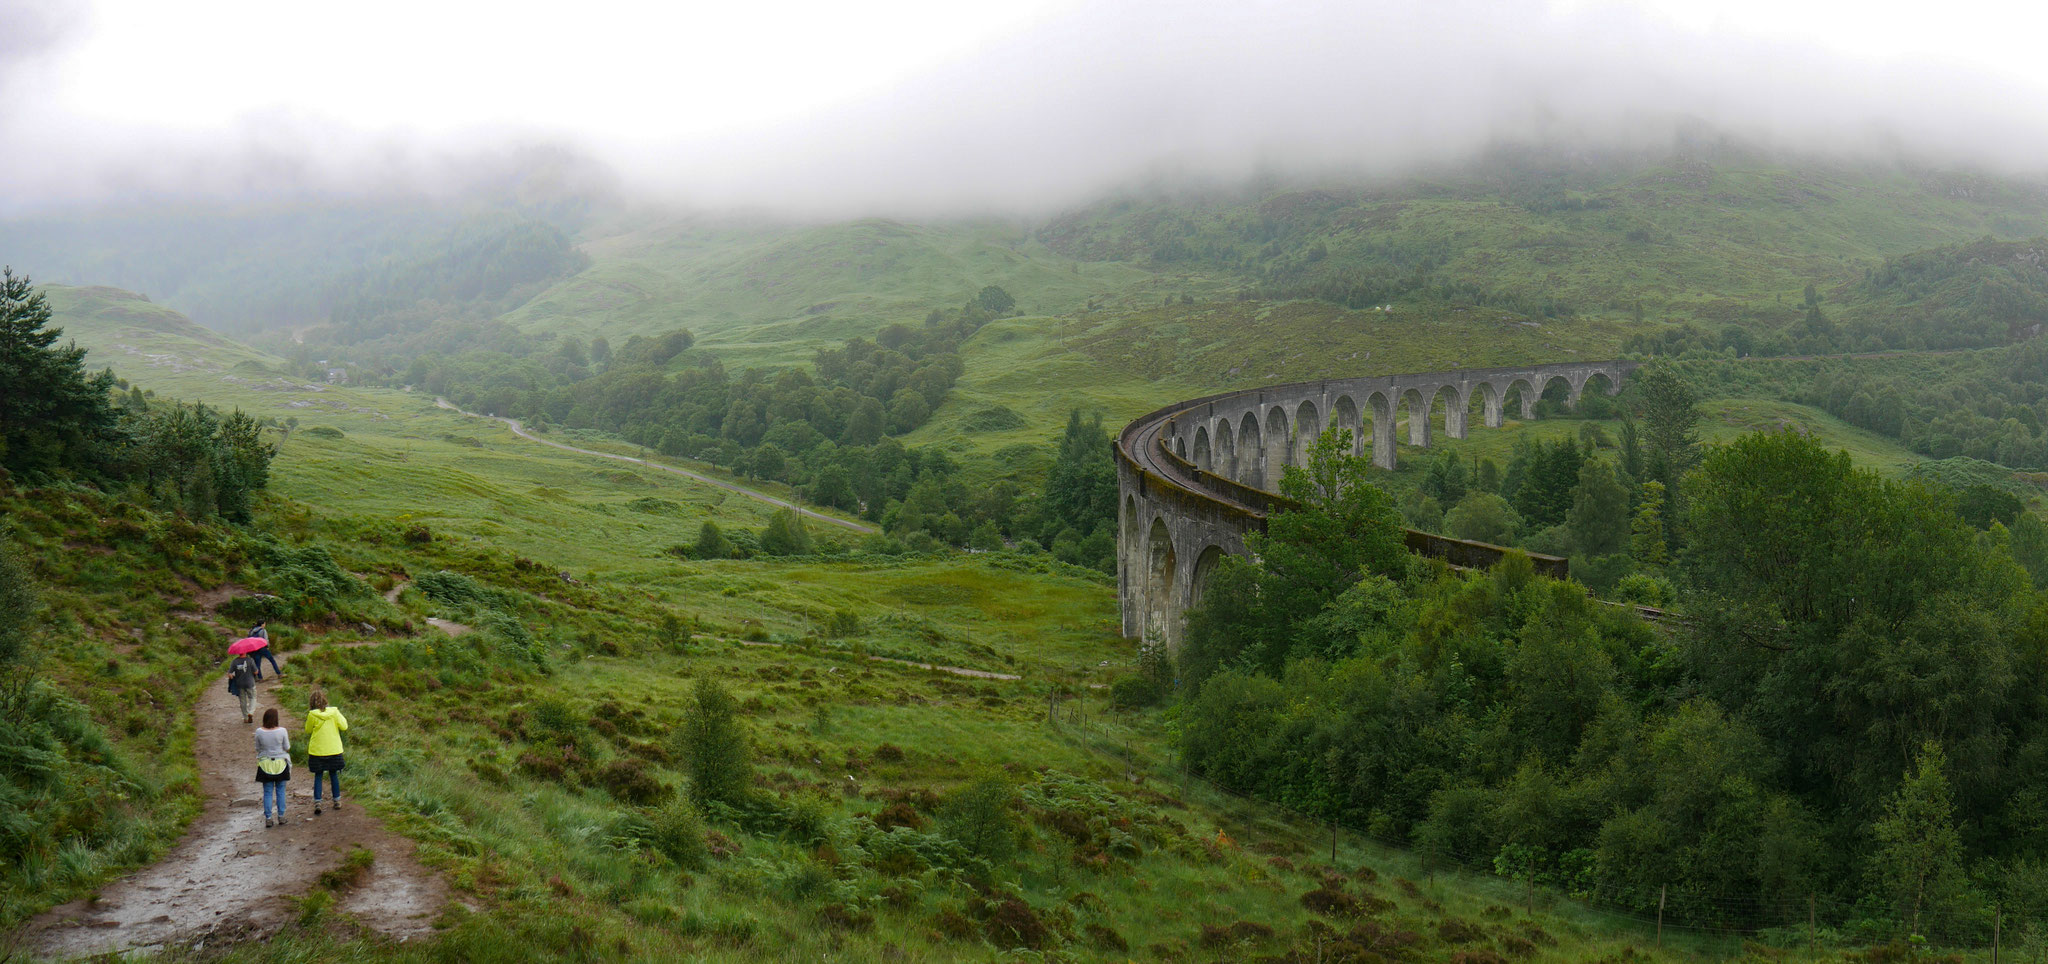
x=1703 y=233
x=782 y=288
x=1717 y=237
x=369 y=266
x=129 y=332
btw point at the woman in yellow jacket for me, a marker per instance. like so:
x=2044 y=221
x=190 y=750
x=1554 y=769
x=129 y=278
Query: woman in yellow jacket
x=323 y=747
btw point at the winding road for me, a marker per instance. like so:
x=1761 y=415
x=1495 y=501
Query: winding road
x=520 y=431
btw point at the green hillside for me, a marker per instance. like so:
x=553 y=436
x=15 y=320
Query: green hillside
x=132 y=333
x=768 y=292
x=393 y=454
x=1709 y=235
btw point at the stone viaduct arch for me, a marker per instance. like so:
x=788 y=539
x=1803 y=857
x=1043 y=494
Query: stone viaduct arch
x=1198 y=476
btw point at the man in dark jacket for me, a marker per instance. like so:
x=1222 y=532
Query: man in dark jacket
x=262 y=631
x=242 y=682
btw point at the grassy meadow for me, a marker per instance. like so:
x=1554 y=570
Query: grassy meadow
x=534 y=760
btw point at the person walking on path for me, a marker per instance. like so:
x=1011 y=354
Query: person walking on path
x=323 y=747
x=273 y=764
x=242 y=683
x=262 y=631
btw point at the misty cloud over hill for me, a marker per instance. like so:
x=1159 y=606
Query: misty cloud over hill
x=1044 y=115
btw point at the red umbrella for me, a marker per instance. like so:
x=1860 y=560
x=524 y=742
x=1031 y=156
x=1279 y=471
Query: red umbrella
x=248 y=645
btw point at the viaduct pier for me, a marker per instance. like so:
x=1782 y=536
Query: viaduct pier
x=1194 y=478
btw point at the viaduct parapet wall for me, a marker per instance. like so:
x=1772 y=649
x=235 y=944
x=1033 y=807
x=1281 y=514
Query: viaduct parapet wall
x=1196 y=477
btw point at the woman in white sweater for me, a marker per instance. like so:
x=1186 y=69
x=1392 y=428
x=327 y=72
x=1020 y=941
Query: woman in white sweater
x=273 y=764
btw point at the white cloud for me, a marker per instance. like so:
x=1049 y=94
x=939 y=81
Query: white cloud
x=917 y=105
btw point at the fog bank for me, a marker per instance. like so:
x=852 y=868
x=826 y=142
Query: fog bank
x=1046 y=108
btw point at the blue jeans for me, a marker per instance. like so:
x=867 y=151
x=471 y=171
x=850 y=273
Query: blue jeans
x=275 y=790
x=263 y=654
x=333 y=780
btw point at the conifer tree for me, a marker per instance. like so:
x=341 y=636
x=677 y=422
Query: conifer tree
x=53 y=416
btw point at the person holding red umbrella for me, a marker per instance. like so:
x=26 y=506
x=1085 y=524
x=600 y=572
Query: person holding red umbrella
x=242 y=683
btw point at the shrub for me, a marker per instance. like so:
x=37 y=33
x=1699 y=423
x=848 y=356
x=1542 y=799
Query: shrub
x=898 y=815
x=951 y=923
x=325 y=431
x=259 y=606
x=785 y=535
x=1458 y=932
x=1104 y=939
x=713 y=742
x=805 y=816
x=711 y=543
x=1133 y=692
x=1330 y=903
x=553 y=718
x=305 y=577
x=676 y=831
x=456 y=589
x=1015 y=924
x=842 y=623
x=629 y=782
x=1645 y=590
x=1217 y=935
x=979 y=817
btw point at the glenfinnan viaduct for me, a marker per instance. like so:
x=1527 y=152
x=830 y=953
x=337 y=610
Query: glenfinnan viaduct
x=1196 y=477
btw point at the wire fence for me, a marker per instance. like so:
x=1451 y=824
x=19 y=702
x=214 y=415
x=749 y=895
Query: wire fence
x=1725 y=922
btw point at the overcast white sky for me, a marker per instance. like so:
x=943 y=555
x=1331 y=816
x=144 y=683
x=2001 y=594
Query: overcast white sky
x=929 y=104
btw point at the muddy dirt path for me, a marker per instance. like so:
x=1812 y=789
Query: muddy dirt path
x=229 y=877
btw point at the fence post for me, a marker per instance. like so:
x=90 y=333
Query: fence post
x=1661 y=889
x=1997 y=923
x=1812 y=936
x=1333 y=847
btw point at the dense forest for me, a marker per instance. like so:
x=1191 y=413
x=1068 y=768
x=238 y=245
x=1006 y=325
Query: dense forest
x=829 y=431
x=1989 y=405
x=1852 y=715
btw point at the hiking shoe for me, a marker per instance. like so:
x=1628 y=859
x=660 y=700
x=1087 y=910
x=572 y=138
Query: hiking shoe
x=268 y=823
x=316 y=810
x=336 y=805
